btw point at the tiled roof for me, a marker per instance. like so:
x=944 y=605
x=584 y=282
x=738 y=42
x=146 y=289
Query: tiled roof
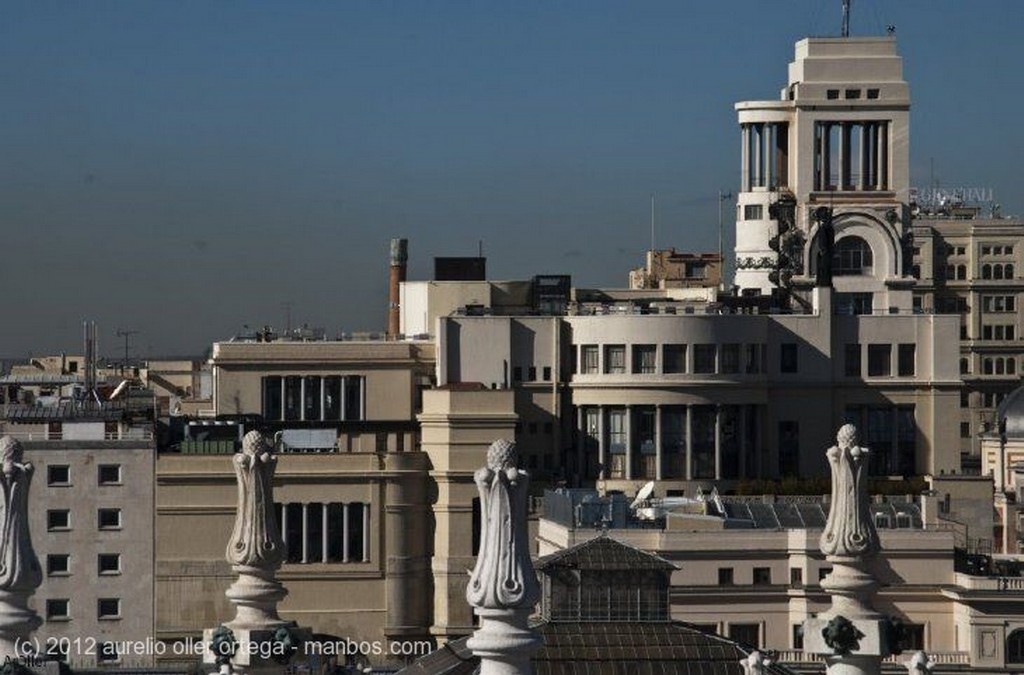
x=604 y=553
x=597 y=648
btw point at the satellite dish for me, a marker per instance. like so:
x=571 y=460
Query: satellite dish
x=643 y=494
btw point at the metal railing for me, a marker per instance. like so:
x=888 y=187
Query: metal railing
x=939 y=658
x=132 y=434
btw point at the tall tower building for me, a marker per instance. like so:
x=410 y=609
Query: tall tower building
x=831 y=154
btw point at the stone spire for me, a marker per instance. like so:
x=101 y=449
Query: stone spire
x=20 y=574
x=851 y=635
x=257 y=641
x=503 y=586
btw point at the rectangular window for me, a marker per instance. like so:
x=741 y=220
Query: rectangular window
x=789 y=448
x=788 y=362
x=913 y=637
x=725 y=576
x=589 y=360
x=58 y=609
x=752 y=359
x=108 y=608
x=547 y=373
x=673 y=358
x=292 y=397
x=832 y=94
x=879 y=360
x=517 y=374
x=965 y=430
x=906 y=360
x=109 y=519
x=354 y=397
x=531 y=374
x=852 y=367
x=762 y=576
x=109 y=474
x=58 y=564
x=853 y=93
x=106 y=652
x=332 y=398
x=798 y=636
x=753 y=212
x=58 y=474
x=872 y=93
x=58 y=519
x=796 y=577
x=704 y=359
x=748 y=634
x=645 y=359
x=730 y=358
x=108 y=563
x=615 y=359
x=272 y=402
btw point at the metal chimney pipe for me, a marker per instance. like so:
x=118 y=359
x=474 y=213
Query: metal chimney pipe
x=399 y=261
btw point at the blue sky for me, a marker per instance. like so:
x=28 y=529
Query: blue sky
x=185 y=168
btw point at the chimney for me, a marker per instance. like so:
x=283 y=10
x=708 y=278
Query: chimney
x=399 y=258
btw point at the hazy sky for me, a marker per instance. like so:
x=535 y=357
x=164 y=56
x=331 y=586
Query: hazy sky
x=185 y=168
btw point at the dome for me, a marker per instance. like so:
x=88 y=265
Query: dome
x=1011 y=413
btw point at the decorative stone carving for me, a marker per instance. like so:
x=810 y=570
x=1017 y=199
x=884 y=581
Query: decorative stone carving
x=841 y=635
x=20 y=573
x=849 y=530
x=256 y=540
x=503 y=586
x=919 y=664
x=503 y=577
x=755 y=664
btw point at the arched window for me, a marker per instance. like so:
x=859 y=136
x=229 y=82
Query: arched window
x=1009 y=270
x=852 y=256
x=986 y=271
x=1011 y=366
x=961 y=272
x=1015 y=646
x=997 y=271
x=1000 y=365
x=986 y=366
x=964 y=366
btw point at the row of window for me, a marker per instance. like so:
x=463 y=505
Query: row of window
x=998 y=365
x=729 y=358
x=997 y=250
x=531 y=374
x=959 y=272
x=998 y=332
x=59 y=564
x=59 y=475
x=997 y=271
x=833 y=94
x=59 y=609
x=324 y=533
x=333 y=398
x=58 y=520
x=880 y=360
x=998 y=303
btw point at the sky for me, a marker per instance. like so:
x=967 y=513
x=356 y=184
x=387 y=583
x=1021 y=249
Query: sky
x=185 y=169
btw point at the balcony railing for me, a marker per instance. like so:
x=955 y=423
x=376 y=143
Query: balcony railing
x=131 y=434
x=939 y=658
x=974 y=583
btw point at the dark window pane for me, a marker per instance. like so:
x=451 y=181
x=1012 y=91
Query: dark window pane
x=332 y=398
x=272 y=398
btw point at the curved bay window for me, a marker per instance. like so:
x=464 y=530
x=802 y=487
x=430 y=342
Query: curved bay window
x=852 y=256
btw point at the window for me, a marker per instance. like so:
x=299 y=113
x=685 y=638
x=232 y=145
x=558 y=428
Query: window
x=109 y=474
x=852 y=256
x=58 y=519
x=832 y=94
x=704 y=358
x=531 y=374
x=753 y=212
x=789 y=448
x=108 y=563
x=58 y=609
x=517 y=374
x=879 y=360
x=324 y=533
x=109 y=519
x=108 y=608
x=798 y=636
x=588 y=360
x=313 y=398
x=746 y=633
x=796 y=577
x=615 y=359
x=762 y=576
x=872 y=93
x=645 y=359
x=788 y=357
x=106 y=652
x=292 y=397
x=58 y=474
x=913 y=637
x=725 y=576
x=272 y=401
x=853 y=93
x=852 y=367
x=547 y=373
x=906 y=359
x=730 y=358
x=673 y=358
x=754 y=359
x=58 y=564
x=1015 y=646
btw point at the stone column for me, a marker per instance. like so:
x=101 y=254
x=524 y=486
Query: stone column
x=602 y=444
x=20 y=574
x=718 y=442
x=745 y=157
x=629 y=442
x=503 y=587
x=659 y=454
x=581 y=445
x=689 y=443
x=852 y=636
x=257 y=641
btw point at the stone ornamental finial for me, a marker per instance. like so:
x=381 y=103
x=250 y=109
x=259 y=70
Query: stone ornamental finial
x=255 y=540
x=756 y=663
x=255 y=549
x=849 y=531
x=919 y=664
x=503 y=586
x=20 y=574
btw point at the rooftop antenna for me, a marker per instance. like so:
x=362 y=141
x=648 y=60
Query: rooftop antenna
x=846 y=18
x=652 y=221
x=722 y=196
x=126 y=334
